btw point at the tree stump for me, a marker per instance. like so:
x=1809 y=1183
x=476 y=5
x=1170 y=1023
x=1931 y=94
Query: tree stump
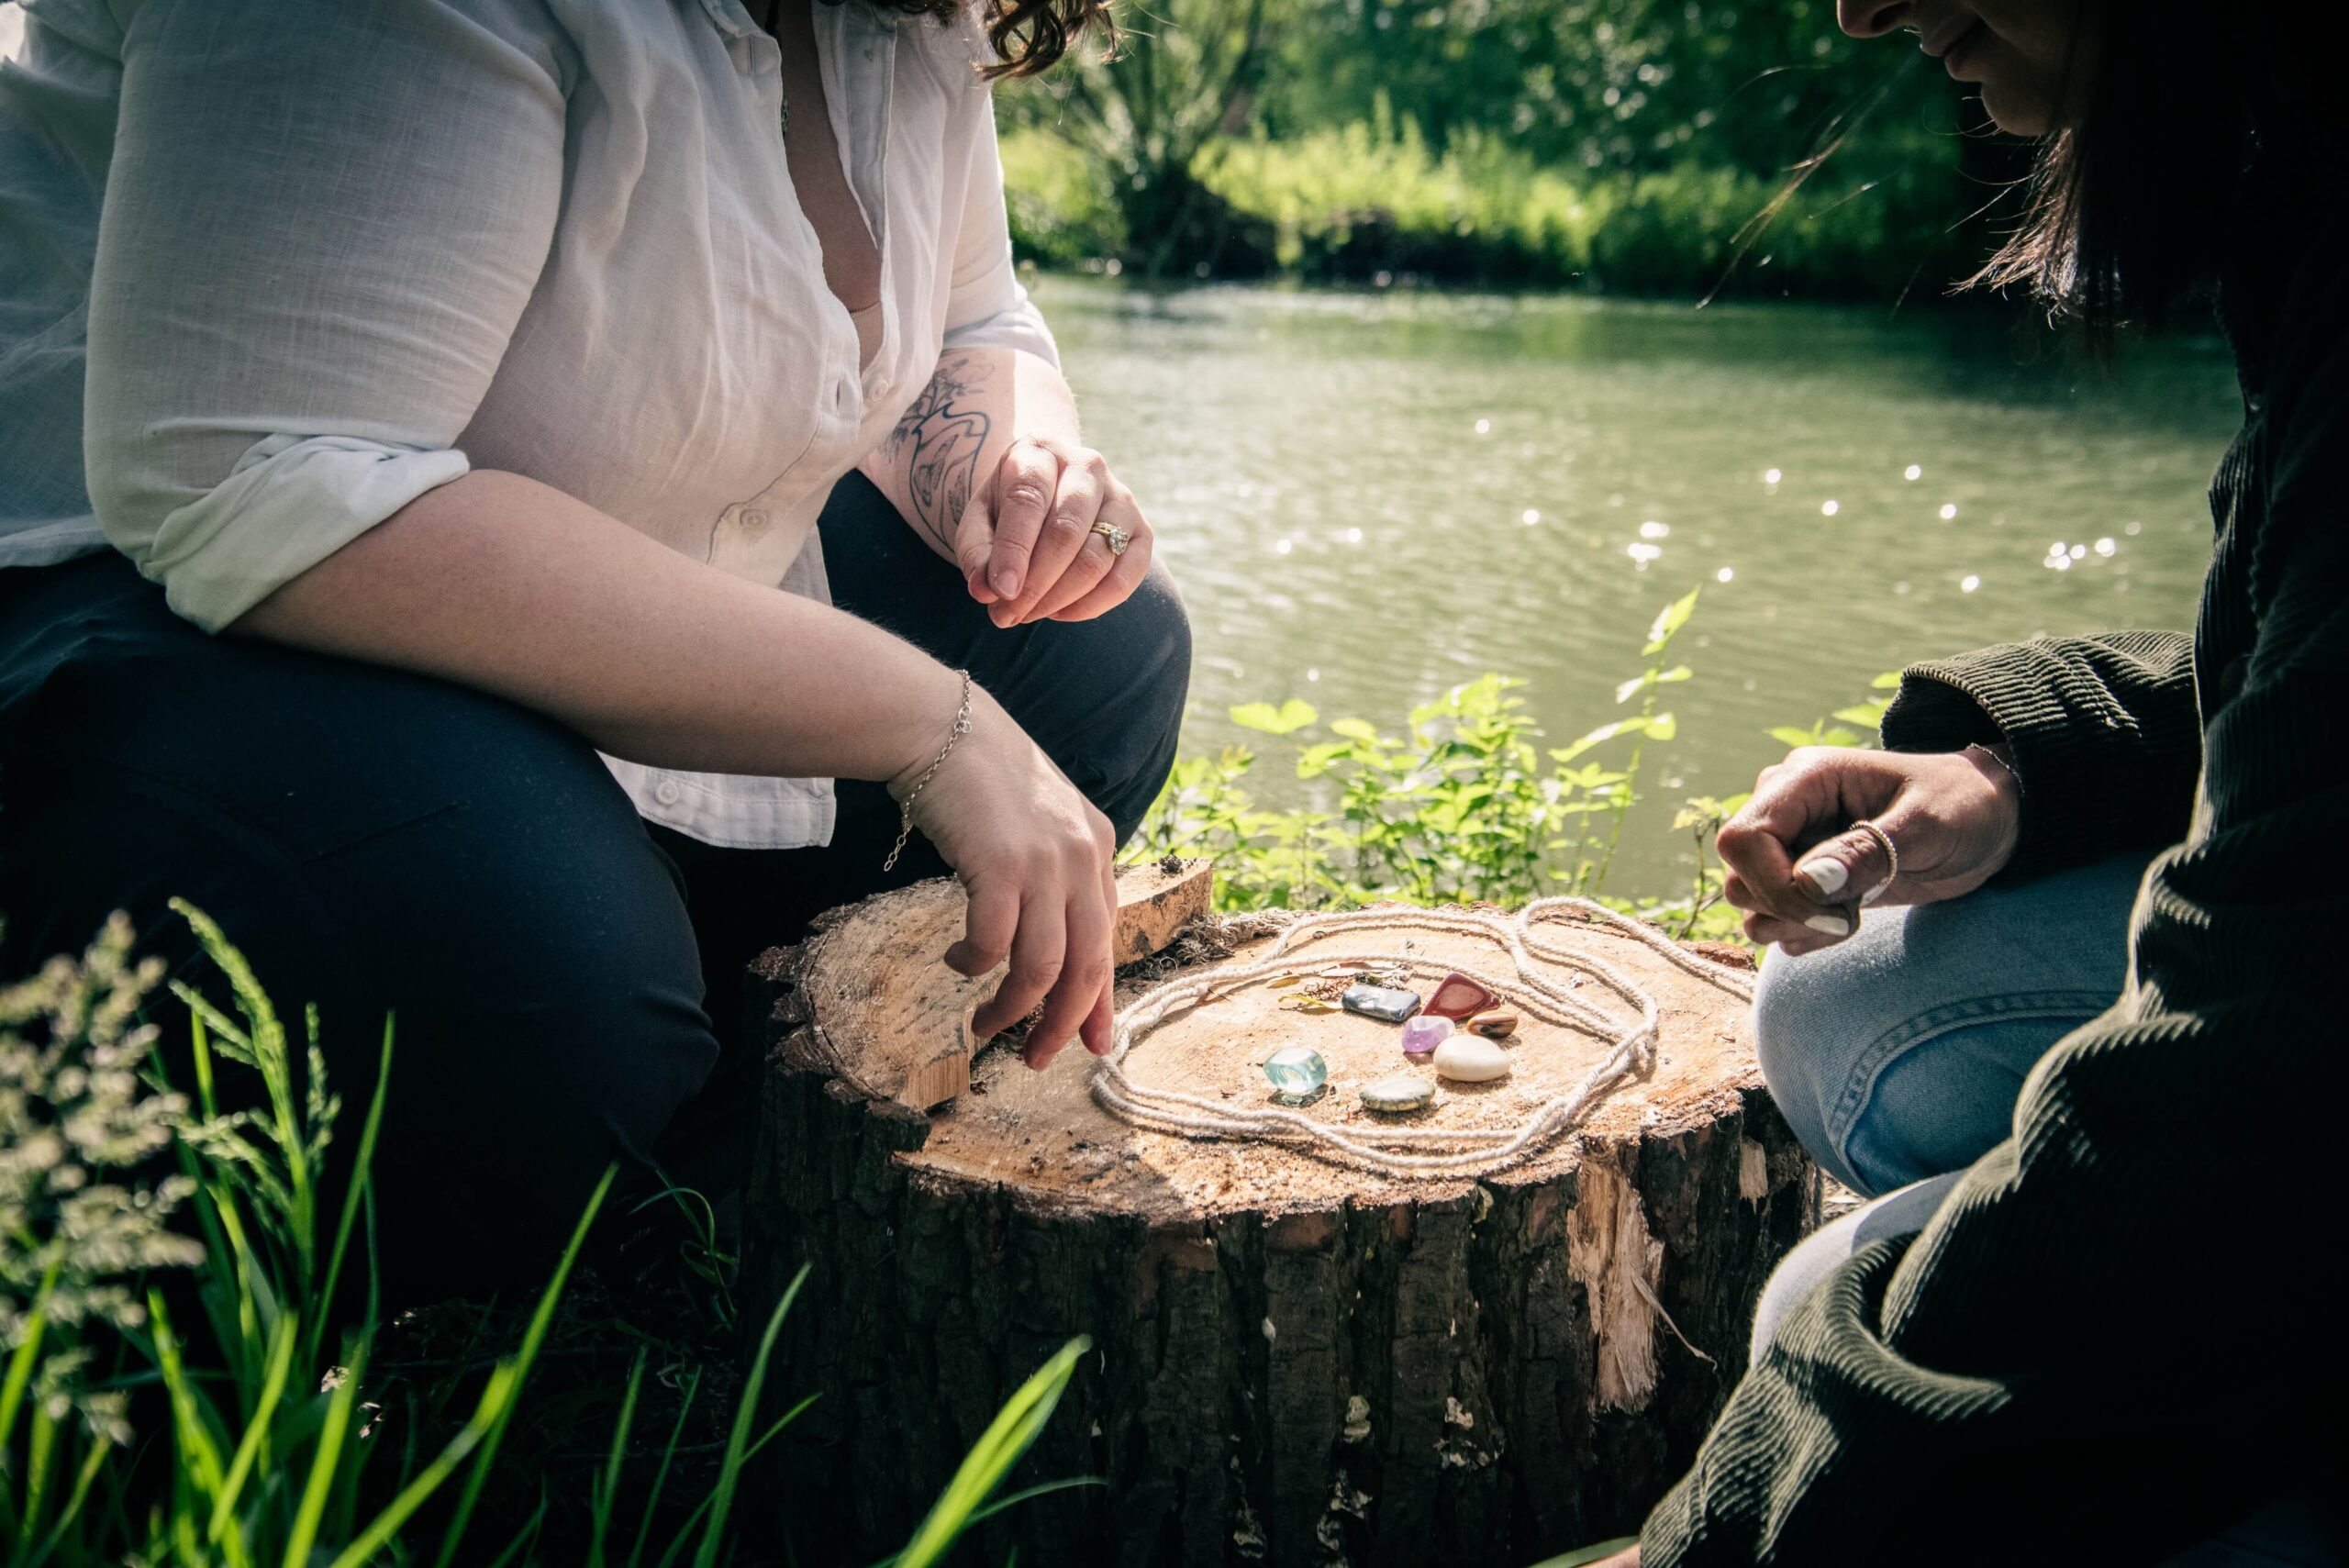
x=1294 y=1362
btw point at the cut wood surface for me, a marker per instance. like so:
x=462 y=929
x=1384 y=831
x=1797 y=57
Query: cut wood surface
x=1298 y=1362
x=896 y=1021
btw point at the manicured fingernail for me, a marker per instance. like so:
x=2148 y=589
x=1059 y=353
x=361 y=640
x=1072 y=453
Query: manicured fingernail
x=1825 y=874
x=1007 y=580
x=1833 y=925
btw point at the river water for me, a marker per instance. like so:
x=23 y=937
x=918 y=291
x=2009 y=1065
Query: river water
x=1369 y=498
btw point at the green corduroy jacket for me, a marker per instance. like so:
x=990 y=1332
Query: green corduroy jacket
x=2117 y=1338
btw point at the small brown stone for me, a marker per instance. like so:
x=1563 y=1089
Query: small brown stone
x=1496 y=1023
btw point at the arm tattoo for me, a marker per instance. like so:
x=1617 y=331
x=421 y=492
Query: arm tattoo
x=939 y=440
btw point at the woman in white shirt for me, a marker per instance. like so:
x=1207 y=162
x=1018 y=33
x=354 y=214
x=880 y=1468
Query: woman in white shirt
x=410 y=410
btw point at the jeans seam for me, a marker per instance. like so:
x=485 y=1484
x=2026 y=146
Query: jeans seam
x=1859 y=1085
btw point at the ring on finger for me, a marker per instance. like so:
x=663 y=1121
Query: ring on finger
x=1891 y=860
x=1115 y=537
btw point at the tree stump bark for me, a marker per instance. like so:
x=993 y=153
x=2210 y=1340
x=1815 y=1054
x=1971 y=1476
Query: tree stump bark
x=1294 y=1362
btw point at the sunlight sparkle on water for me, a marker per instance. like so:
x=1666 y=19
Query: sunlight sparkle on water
x=1529 y=517
x=1643 y=553
x=1770 y=477
x=1284 y=547
x=1654 y=529
x=2133 y=529
x=1912 y=472
x=1723 y=575
x=1353 y=536
x=2106 y=547
x=1949 y=510
x=1829 y=508
x=1483 y=427
x=1967 y=583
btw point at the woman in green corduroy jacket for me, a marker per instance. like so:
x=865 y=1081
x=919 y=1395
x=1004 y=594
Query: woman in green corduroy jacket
x=2055 y=978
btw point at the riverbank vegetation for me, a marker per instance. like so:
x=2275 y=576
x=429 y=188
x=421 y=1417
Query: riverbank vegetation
x=1464 y=801
x=1647 y=147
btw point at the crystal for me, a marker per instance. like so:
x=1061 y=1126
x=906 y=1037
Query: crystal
x=1471 y=1060
x=1397 y=1091
x=1459 y=997
x=1297 y=1073
x=1384 y=1003
x=1498 y=1023
x=1424 y=1033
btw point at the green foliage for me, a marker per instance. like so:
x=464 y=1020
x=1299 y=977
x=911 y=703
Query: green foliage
x=1349 y=202
x=1654 y=146
x=1461 y=804
x=272 y=1446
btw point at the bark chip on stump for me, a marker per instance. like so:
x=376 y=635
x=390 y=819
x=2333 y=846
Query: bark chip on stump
x=1294 y=1362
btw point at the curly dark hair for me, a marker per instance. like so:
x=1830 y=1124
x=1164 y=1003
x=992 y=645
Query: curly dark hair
x=1029 y=36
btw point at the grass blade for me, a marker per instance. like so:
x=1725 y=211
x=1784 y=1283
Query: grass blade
x=351 y=1198
x=608 y=1493
x=1015 y=1427
x=746 y=1411
x=531 y=1339
x=326 y=1460
x=661 y=1477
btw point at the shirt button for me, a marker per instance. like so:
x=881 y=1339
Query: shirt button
x=877 y=386
x=666 y=792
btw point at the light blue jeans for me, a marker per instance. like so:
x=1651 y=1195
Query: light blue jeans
x=1898 y=1057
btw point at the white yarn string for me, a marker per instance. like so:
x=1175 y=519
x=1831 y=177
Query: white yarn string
x=1398 y=1151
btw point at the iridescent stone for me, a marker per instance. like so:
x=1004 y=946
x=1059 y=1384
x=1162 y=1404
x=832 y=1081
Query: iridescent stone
x=1424 y=1033
x=1471 y=1060
x=1498 y=1023
x=1460 y=997
x=1396 y=1093
x=1297 y=1073
x=1385 y=1003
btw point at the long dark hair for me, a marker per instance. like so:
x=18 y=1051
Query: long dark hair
x=2133 y=204
x=1028 y=36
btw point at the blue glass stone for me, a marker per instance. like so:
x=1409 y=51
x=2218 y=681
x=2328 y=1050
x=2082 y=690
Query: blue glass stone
x=1384 y=1003
x=1297 y=1073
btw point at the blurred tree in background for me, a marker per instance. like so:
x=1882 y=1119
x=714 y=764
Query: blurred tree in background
x=1628 y=143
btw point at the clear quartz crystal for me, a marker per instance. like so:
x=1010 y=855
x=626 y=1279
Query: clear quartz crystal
x=1297 y=1071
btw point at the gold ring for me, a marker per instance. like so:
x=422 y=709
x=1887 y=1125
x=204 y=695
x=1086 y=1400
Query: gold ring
x=1117 y=537
x=1891 y=860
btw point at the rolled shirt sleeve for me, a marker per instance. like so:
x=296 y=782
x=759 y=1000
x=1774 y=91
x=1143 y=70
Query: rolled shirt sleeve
x=988 y=307
x=323 y=220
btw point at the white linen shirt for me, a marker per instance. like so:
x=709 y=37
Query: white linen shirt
x=272 y=269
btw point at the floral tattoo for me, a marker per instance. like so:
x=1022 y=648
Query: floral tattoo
x=939 y=440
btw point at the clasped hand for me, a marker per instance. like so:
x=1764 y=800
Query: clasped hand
x=1026 y=544
x=1799 y=868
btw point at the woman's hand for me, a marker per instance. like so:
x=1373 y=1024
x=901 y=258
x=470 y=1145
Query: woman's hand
x=1026 y=542
x=1035 y=859
x=1799 y=868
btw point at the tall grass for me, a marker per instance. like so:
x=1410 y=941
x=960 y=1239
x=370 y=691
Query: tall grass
x=126 y=1437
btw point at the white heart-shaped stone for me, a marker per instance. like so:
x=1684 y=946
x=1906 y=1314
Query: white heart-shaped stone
x=1471 y=1060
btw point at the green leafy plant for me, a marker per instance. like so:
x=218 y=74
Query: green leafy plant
x=1462 y=804
x=265 y=1444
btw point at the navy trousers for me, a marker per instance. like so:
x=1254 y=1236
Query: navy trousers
x=563 y=975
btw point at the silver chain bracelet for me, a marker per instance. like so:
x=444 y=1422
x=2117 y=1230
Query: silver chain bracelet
x=906 y=807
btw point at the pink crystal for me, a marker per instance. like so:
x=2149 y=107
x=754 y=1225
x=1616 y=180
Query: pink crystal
x=1424 y=1033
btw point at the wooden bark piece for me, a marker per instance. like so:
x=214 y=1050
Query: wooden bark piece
x=1296 y=1363
x=896 y=1021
